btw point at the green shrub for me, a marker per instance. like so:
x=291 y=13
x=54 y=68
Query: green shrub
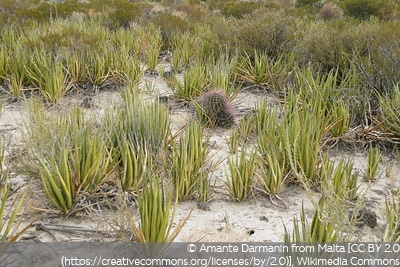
x=274 y=33
x=125 y=12
x=238 y=9
x=330 y=11
x=49 y=75
x=144 y=125
x=364 y=9
x=380 y=70
x=301 y=3
x=323 y=44
x=191 y=9
x=169 y=24
x=134 y=167
x=302 y=130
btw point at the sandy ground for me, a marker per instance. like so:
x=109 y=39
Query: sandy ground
x=255 y=219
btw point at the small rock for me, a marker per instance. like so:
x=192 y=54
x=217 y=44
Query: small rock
x=364 y=217
x=203 y=206
x=87 y=102
x=251 y=232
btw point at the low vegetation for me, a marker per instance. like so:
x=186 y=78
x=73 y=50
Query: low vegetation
x=332 y=67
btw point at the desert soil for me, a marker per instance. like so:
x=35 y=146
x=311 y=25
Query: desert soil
x=255 y=219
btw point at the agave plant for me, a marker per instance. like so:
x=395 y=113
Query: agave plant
x=195 y=80
x=373 y=158
x=389 y=117
x=392 y=231
x=68 y=153
x=156 y=219
x=9 y=224
x=242 y=170
x=320 y=229
x=188 y=160
x=50 y=76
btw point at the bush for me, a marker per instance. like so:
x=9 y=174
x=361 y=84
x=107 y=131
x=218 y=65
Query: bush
x=271 y=32
x=125 y=12
x=364 y=9
x=169 y=25
x=337 y=44
x=330 y=11
x=238 y=9
x=301 y=3
x=383 y=68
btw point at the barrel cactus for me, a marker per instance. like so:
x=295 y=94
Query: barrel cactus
x=213 y=109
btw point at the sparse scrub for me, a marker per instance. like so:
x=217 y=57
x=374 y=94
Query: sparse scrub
x=124 y=13
x=240 y=9
x=169 y=25
x=332 y=68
